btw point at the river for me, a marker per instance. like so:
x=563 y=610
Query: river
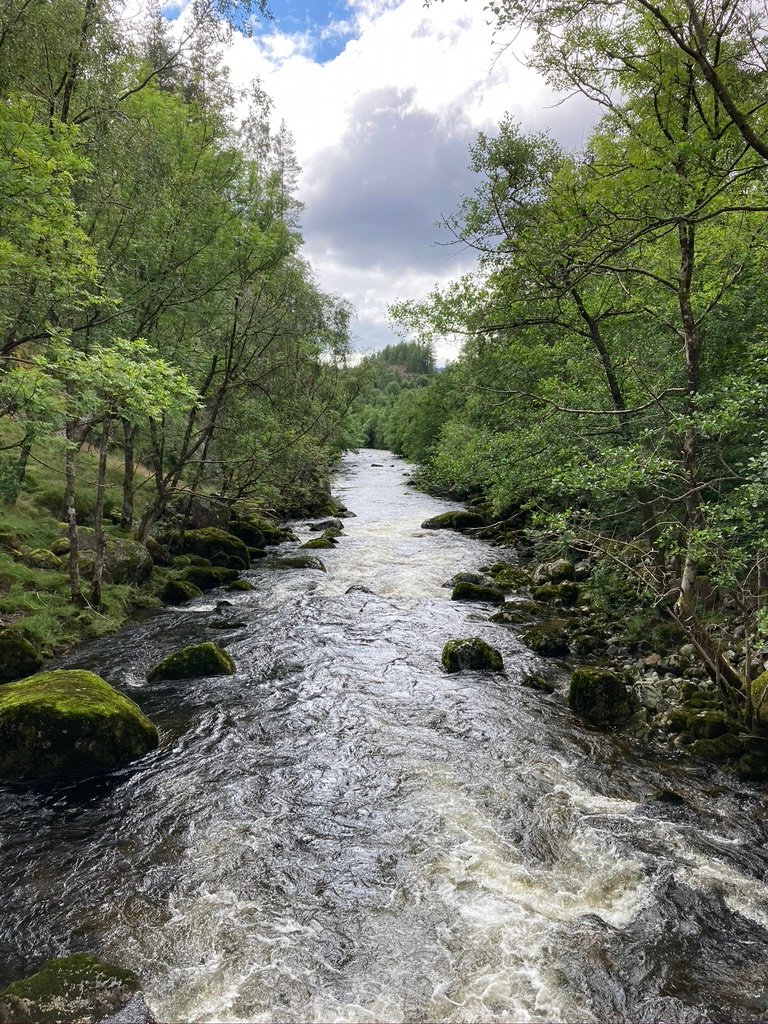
x=343 y=832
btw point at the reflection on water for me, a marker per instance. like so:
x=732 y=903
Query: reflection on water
x=343 y=832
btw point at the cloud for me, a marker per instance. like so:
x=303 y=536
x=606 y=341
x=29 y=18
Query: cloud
x=383 y=130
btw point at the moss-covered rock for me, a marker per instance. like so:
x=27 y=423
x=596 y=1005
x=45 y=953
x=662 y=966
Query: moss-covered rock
x=537 y=682
x=459 y=520
x=327 y=524
x=318 y=544
x=67 y=725
x=236 y=562
x=599 y=695
x=554 y=572
x=125 y=559
x=298 y=562
x=548 y=638
x=511 y=578
x=588 y=643
x=41 y=558
x=197 y=560
x=759 y=694
x=475 y=592
x=257 y=554
x=518 y=612
x=192 y=662
x=76 y=988
x=471 y=653
x=18 y=657
x=707 y=724
x=241 y=585
x=222 y=623
x=209 y=543
x=179 y=592
x=476 y=578
x=159 y=552
x=209 y=577
x=722 y=748
x=564 y=594
x=257 y=530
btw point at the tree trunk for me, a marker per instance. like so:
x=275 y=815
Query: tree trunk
x=129 y=450
x=75 y=595
x=98 y=516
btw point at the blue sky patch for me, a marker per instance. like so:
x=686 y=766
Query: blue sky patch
x=328 y=24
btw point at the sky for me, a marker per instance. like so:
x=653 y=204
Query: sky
x=383 y=98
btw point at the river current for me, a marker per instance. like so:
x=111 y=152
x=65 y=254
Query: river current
x=343 y=832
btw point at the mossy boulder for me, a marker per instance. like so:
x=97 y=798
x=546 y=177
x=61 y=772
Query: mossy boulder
x=67 y=725
x=707 y=724
x=722 y=748
x=537 y=682
x=454 y=521
x=510 y=578
x=558 y=571
x=210 y=543
x=759 y=694
x=209 y=577
x=298 y=562
x=599 y=695
x=18 y=656
x=125 y=559
x=327 y=524
x=257 y=554
x=565 y=594
x=179 y=592
x=472 y=653
x=77 y=988
x=159 y=552
x=517 y=612
x=318 y=544
x=548 y=638
x=241 y=585
x=41 y=558
x=257 y=530
x=477 y=592
x=193 y=662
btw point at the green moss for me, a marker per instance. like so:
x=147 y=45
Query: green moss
x=723 y=748
x=42 y=558
x=75 y=988
x=18 y=657
x=298 y=562
x=241 y=585
x=454 y=521
x=707 y=724
x=536 y=682
x=548 y=638
x=760 y=698
x=191 y=662
x=209 y=542
x=510 y=578
x=599 y=695
x=476 y=592
x=69 y=724
x=209 y=577
x=471 y=653
x=179 y=592
x=318 y=544
x=565 y=594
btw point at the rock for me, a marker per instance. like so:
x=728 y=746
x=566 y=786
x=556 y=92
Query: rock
x=195 y=560
x=160 y=554
x=549 y=638
x=565 y=594
x=454 y=521
x=326 y=524
x=318 y=544
x=18 y=656
x=474 y=592
x=209 y=542
x=125 y=559
x=60 y=547
x=241 y=585
x=69 y=724
x=179 y=592
x=78 y=988
x=200 y=511
x=257 y=554
x=723 y=748
x=208 y=577
x=667 y=796
x=358 y=588
x=466 y=577
x=41 y=558
x=707 y=725
x=298 y=562
x=472 y=653
x=559 y=571
x=255 y=529
x=193 y=662
x=759 y=696
x=510 y=579
x=599 y=695
x=536 y=682
x=514 y=614
x=586 y=644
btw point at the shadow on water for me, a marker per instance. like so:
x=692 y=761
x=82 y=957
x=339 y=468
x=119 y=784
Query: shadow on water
x=341 y=831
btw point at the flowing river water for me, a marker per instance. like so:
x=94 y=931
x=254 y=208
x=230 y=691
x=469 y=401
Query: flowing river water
x=341 y=831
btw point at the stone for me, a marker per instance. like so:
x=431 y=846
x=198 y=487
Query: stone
x=548 y=638
x=707 y=725
x=471 y=653
x=241 y=585
x=159 y=552
x=454 y=521
x=537 y=682
x=193 y=662
x=210 y=543
x=65 y=725
x=125 y=559
x=18 y=656
x=466 y=577
x=759 y=694
x=319 y=544
x=474 y=592
x=298 y=562
x=208 y=577
x=599 y=695
x=326 y=524
x=510 y=579
x=667 y=796
x=566 y=594
x=179 y=592
x=226 y=624
x=41 y=558
x=78 y=988
x=558 y=571
x=722 y=748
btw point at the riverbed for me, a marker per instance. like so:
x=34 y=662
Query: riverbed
x=343 y=832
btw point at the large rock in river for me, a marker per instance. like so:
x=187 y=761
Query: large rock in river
x=454 y=521
x=194 y=662
x=76 y=988
x=67 y=725
x=474 y=592
x=210 y=543
x=125 y=559
x=599 y=695
x=471 y=653
x=18 y=657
